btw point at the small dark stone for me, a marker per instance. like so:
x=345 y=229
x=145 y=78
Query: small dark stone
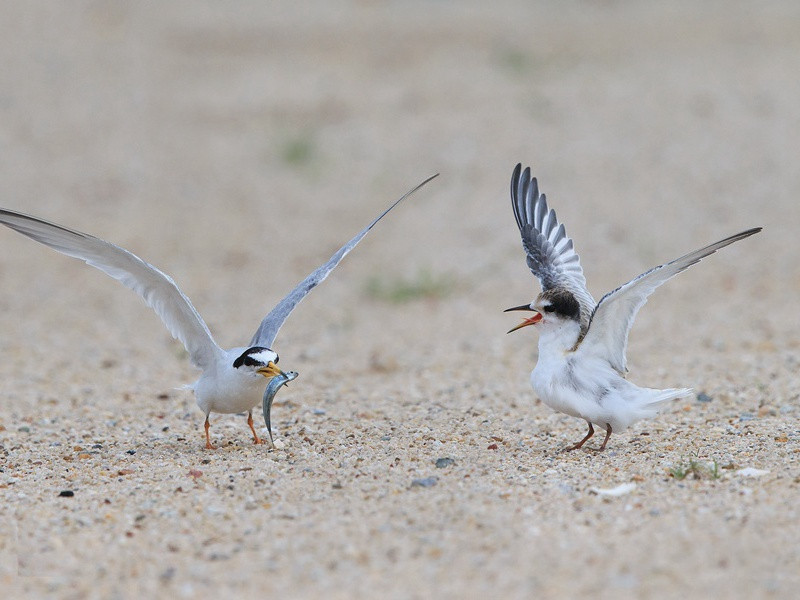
x=66 y=494
x=97 y=446
x=131 y=452
x=426 y=483
x=218 y=556
x=386 y=438
x=24 y=429
x=441 y=463
x=703 y=397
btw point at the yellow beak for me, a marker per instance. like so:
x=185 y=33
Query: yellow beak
x=271 y=370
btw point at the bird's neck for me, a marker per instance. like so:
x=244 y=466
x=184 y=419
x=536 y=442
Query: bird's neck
x=559 y=338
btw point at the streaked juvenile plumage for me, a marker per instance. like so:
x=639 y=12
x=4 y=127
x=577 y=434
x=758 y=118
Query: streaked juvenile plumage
x=581 y=367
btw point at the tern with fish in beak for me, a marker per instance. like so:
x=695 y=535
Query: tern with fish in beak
x=232 y=381
x=581 y=366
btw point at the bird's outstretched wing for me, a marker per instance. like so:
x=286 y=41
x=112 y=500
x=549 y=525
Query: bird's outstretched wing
x=268 y=330
x=613 y=317
x=156 y=288
x=551 y=256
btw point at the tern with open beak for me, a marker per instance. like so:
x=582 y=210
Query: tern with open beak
x=581 y=366
x=232 y=381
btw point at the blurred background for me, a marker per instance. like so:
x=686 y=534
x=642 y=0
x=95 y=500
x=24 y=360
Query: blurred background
x=251 y=139
x=267 y=133
x=237 y=145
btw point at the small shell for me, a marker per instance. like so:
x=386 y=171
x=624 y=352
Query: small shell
x=620 y=490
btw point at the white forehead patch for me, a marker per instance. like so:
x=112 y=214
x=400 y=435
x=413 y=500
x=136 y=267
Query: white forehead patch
x=264 y=356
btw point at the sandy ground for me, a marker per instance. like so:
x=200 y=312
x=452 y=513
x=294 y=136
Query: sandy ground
x=238 y=147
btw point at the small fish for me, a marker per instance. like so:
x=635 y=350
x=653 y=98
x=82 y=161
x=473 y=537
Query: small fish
x=269 y=394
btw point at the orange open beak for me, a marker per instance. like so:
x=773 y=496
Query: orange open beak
x=531 y=321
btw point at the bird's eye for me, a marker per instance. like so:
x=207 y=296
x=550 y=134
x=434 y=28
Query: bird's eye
x=549 y=308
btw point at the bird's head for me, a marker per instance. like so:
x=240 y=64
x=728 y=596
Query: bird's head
x=553 y=307
x=258 y=361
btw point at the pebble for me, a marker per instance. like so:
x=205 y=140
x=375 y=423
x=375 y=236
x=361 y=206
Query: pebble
x=426 y=482
x=441 y=463
x=279 y=444
x=703 y=397
x=66 y=494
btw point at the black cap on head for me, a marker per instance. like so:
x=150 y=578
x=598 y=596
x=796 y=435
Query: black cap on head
x=562 y=303
x=257 y=356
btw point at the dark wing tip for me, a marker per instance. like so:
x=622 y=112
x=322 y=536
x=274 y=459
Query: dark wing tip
x=515 y=176
x=734 y=238
x=15 y=220
x=524 y=194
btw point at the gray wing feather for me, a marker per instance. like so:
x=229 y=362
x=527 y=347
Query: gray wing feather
x=157 y=289
x=613 y=316
x=550 y=253
x=268 y=330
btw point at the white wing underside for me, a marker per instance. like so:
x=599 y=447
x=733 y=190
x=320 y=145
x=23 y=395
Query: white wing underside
x=550 y=253
x=157 y=289
x=268 y=330
x=611 y=321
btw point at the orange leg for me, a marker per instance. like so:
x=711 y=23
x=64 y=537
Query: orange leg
x=256 y=439
x=585 y=439
x=605 y=441
x=208 y=439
